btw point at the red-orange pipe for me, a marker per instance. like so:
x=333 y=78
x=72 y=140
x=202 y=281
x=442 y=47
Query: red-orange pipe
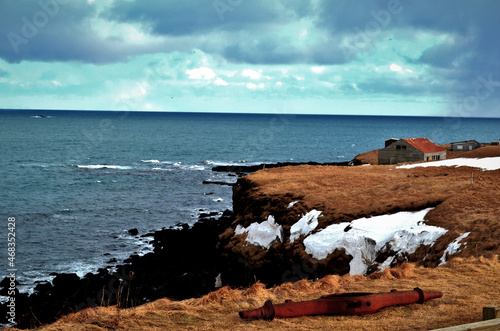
x=340 y=304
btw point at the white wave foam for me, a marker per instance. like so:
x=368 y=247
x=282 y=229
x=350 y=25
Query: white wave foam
x=228 y=164
x=196 y=167
x=103 y=166
x=188 y=166
x=161 y=169
x=150 y=161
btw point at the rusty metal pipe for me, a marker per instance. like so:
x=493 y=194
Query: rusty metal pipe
x=340 y=304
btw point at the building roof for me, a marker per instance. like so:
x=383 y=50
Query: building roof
x=465 y=142
x=424 y=145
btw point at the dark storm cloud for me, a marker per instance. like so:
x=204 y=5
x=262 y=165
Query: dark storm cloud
x=241 y=31
x=473 y=27
x=470 y=28
x=45 y=30
x=271 y=49
x=244 y=31
x=180 y=17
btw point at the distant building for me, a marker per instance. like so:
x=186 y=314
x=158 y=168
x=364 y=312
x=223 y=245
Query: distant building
x=467 y=145
x=390 y=141
x=410 y=150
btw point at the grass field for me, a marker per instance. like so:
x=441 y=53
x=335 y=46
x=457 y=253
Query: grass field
x=468 y=285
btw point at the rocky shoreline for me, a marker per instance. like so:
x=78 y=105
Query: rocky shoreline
x=184 y=264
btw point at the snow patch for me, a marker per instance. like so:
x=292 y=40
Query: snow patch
x=487 y=163
x=262 y=234
x=453 y=247
x=291 y=204
x=386 y=264
x=365 y=238
x=305 y=225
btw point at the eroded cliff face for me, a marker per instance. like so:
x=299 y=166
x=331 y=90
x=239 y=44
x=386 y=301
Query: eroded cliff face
x=307 y=222
x=283 y=260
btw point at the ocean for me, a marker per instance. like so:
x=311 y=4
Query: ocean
x=76 y=182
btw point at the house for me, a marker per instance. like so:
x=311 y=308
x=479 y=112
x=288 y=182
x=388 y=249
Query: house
x=390 y=141
x=467 y=145
x=411 y=150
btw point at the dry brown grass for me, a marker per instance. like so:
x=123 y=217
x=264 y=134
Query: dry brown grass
x=468 y=285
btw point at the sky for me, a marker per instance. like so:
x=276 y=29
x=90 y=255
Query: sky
x=359 y=57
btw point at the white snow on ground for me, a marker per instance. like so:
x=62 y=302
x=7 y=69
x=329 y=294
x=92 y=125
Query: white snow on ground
x=365 y=238
x=305 y=225
x=453 y=247
x=487 y=163
x=290 y=205
x=262 y=234
x=386 y=264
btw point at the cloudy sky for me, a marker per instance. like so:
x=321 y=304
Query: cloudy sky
x=375 y=57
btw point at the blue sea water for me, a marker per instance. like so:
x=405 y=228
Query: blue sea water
x=77 y=181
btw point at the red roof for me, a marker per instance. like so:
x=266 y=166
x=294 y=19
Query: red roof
x=424 y=145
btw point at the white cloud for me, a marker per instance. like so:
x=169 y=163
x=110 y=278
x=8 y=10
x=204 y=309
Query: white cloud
x=220 y=81
x=398 y=68
x=317 y=70
x=395 y=67
x=252 y=74
x=141 y=89
x=253 y=86
x=201 y=73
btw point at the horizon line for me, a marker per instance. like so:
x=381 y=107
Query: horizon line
x=233 y=113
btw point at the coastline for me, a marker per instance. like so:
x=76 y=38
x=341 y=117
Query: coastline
x=182 y=265
x=186 y=262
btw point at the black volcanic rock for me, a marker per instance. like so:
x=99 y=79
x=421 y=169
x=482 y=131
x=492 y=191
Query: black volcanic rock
x=184 y=264
x=133 y=232
x=242 y=169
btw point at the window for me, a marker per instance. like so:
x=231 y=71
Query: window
x=398 y=146
x=460 y=146
x=401 y=147
x=436 y=157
